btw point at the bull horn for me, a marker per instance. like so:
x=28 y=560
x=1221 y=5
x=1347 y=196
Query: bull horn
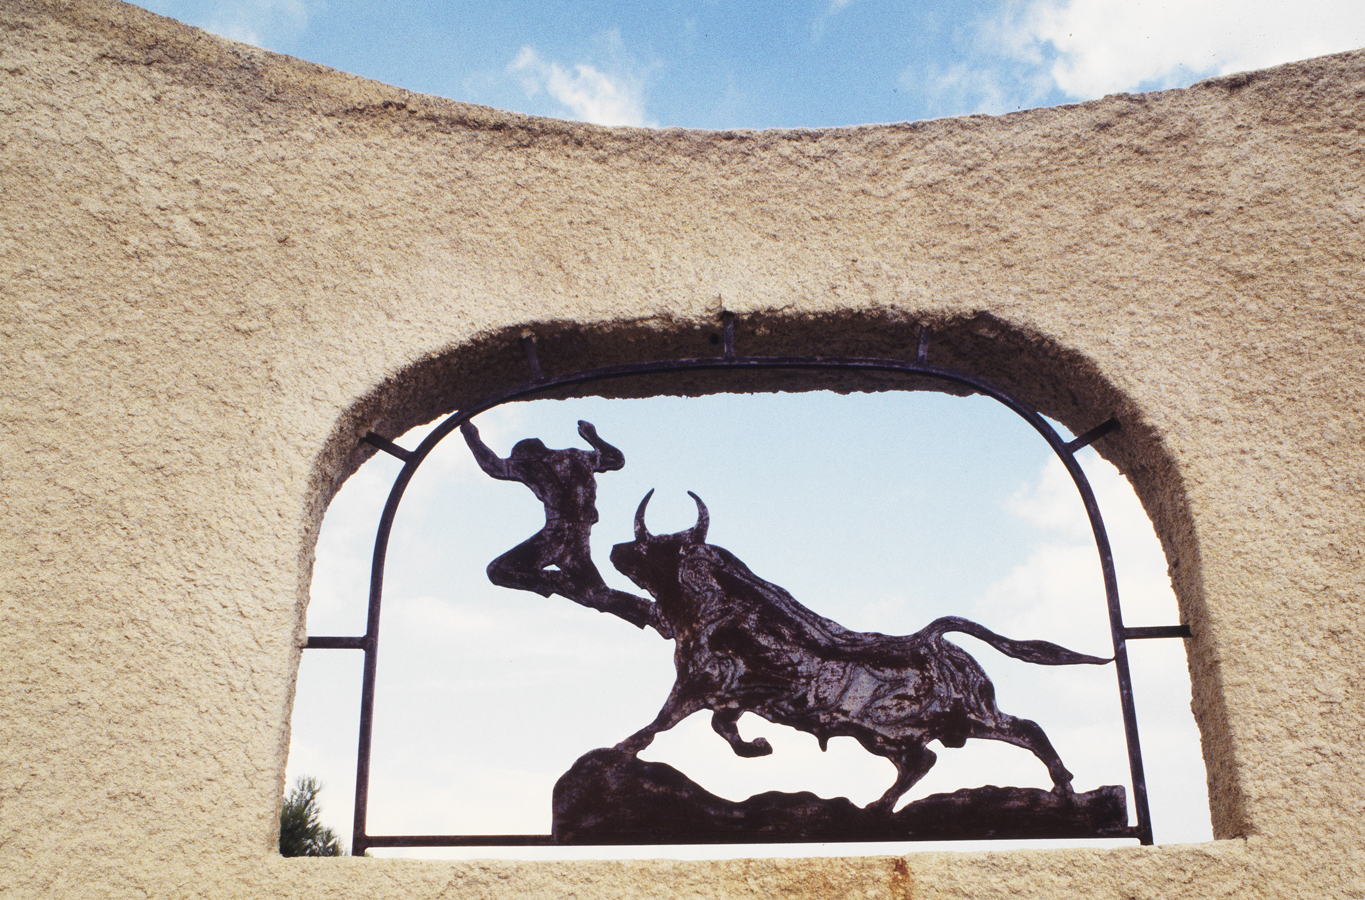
x=698 y=532
x=641 y=532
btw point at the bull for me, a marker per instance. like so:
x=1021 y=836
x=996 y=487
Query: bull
x=745 y=645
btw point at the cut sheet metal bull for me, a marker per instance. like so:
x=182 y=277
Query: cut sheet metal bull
x=745 y=645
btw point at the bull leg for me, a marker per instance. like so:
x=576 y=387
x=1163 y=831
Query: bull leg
x=723 y=722
x=1029 y=734
x=674 y=711
x=912 y=764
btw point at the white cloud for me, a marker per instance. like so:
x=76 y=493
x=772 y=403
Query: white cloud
x=1057 y=594
x=957 y=88
x=259 y=22
x=1096 y=47
x=1052 y=503
x=1035 y=52
x=1062 y=573
x=589 y=94
x=817 y=27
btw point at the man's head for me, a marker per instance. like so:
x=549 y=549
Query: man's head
x=529 y=449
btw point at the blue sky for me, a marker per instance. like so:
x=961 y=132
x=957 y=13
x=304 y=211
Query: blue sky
x=712 y=64
x=923 y=505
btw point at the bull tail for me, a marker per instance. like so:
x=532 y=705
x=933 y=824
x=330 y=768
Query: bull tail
x=1042 y=653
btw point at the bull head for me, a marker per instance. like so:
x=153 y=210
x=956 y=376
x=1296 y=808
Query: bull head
x=696 y=534
x=652 y=561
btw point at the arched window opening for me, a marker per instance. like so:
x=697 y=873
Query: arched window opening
x=881 y=511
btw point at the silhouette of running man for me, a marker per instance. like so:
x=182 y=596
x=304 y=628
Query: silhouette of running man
x=558 y=559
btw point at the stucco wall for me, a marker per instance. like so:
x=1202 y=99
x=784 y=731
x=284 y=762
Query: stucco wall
x=219 y=267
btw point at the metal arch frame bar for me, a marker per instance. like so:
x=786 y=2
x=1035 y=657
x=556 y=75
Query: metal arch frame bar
x=1065 y=450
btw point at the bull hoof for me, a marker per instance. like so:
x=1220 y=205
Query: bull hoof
x=881 y=806
x=633 y=745
x=755 y=748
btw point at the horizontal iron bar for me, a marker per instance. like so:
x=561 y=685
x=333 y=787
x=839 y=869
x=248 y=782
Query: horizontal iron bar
x=387 y=446
x=460 y=840
x=1093 y=435
x=629 y=840
x=1157 y=631
x=335 y=643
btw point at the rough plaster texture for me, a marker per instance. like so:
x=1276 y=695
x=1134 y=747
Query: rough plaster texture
x=219 y=267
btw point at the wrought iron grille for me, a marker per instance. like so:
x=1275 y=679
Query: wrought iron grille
x=729 y=361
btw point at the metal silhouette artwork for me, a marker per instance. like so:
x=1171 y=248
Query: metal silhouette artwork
x=558 y=559
x=746 y=645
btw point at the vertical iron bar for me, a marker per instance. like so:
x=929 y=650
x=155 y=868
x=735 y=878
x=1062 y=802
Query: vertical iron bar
x=359 y=842
x=922 y=355
x=1111 y=591
x=528 y=343
x=362 y=762
x=728 y=319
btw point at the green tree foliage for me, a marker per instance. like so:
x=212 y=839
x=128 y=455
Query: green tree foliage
x=301 y=834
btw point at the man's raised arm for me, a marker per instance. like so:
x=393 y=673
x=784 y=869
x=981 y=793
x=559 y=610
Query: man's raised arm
x=489 y=461
x=609 y=459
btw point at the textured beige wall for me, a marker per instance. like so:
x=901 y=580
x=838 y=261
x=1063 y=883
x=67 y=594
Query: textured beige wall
x=218 y=267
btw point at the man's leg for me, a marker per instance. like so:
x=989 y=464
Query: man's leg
x=523 y=567
x=584 y=585
x=576 y=577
